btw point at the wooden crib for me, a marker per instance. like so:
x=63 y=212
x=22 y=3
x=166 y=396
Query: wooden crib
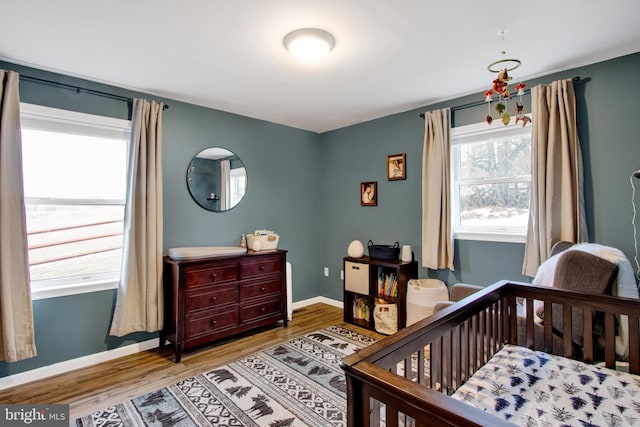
x=407 y=378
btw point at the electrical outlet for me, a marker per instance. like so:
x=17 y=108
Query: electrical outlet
x=326 y=272
x=341 y=274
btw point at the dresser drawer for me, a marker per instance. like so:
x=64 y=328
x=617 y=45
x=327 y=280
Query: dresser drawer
x=211 y=322
x=261 y=309
x=259 y=288
x=196 y=276
x=260 y=267
x=213 y=296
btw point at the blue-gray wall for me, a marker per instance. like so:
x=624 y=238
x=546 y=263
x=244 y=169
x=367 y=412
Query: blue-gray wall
x=282 y=174
x=608 y=101
x=306 y=187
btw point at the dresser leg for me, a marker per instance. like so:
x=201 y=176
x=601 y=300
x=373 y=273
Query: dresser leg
x=178 y=353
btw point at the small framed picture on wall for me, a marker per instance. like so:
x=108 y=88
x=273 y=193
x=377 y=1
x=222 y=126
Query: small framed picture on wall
x=369 y=193
x=396 y=167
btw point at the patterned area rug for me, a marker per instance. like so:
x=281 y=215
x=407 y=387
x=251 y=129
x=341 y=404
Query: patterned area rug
x=296 y=383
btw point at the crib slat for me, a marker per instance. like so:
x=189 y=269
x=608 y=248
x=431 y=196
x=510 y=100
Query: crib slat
x=458 y=357
x=500 y=320
x=496 y=327
x=366 y=409
x=529 y=328
x=439 y=363
x=513 y=333
x=391 y=416
x=466 y=359
x=634 y=346
x=421 y=366
x=610 y=344
x=448 y=360
x=473 y=348
x=548 y=327
x=498 y=313
x=482 y=329
x=408 y=371
x=587 y=333
x=489 y=333
x=566 y=330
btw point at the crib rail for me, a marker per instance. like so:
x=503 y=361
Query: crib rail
x=405 y=379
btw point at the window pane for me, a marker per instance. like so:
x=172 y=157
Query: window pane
x=68 y=166
x=67 y=241
x=496 y=158
x=74 y=177
x=504 y=204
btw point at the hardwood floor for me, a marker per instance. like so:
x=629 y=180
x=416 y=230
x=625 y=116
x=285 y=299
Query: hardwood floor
x=108 y=383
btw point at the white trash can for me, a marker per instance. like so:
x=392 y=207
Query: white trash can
x=422 y=296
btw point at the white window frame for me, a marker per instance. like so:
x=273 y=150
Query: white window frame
x=46 y=118
x=235 y=175
x=479 y=132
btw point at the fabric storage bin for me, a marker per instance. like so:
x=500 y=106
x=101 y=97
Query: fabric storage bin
x=356 y=277
x=383 y=251
x=422 y=296
x=262 y=242
x=385 y=317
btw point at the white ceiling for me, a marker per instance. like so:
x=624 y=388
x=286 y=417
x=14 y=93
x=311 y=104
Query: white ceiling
x=389 y=57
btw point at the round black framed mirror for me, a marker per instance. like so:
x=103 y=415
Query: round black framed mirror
x=217 y=179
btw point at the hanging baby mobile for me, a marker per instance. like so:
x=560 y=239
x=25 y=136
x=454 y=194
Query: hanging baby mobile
x=500 y=88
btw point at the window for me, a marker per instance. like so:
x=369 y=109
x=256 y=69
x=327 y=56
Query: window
x=491 y=181
x=238 y=178
x=74 y=175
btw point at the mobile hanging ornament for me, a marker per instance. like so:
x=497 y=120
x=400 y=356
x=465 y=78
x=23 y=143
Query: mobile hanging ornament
x=520 y=116
x=500 y=87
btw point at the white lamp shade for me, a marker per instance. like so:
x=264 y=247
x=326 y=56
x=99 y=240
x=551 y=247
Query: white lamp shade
x=309 y=45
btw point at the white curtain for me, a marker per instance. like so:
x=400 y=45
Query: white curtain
x=556 y=209
x=139 y=303
x=437 y=240
x=225 y=184
x=17 y=341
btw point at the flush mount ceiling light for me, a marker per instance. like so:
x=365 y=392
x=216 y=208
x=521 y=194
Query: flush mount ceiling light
x=309 y=45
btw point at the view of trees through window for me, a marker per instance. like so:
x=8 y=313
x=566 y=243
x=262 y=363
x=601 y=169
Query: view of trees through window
x=494 y=182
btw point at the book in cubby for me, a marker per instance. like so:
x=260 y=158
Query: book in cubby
x=361 y=309
x=387 y=283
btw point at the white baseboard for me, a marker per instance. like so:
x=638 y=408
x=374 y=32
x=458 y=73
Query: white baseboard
x=73 y=364
x=316 y=300
x=93 y=359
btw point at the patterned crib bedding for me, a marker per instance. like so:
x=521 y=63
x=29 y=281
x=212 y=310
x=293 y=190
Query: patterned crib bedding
x=532 y=388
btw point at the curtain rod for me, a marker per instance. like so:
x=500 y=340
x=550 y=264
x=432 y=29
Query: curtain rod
x=79 y=89
x=479 y=103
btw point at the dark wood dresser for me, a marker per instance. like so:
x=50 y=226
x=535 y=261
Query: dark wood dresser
x=213 y=298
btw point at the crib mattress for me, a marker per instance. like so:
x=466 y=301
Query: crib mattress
x=532 y=388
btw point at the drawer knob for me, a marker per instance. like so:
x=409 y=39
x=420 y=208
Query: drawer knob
x=213 y=322
x=261 y=268
x=213 y=276
x=262 y=310
x=261 y=288
x=213 y=299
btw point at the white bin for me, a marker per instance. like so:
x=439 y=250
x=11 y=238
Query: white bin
x=385 y=317
x=422 y=296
